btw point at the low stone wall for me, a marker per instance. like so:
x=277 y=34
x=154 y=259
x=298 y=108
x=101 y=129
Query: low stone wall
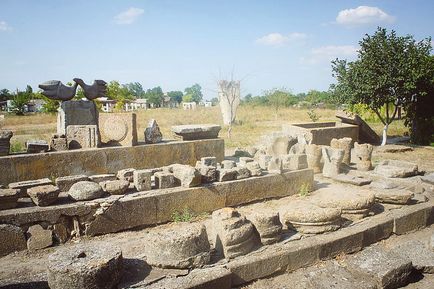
x=106 y=160
x=118 y=213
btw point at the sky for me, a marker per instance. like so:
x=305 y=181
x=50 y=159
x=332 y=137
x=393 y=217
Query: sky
x=174 y=44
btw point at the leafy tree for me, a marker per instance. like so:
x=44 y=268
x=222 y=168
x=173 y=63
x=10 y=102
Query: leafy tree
x=5 y=94
x=214 y=100
x=187 y=98
x=279 y=98
x=390 y=72
x=20 y=99
x=155 y=95
x=315 y=97
x=195 y=91
x=135 y=89
x=118 y=92
x=175 y=96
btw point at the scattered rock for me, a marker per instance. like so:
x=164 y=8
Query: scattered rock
x=85 y=266
x=396 y=169
x=421 y=257
x=8 y=198
x=209 y=161
x=268 y=226
x=185 y=175
x=39 y=238
x=37 y=146
x=209 y=173
x=116 y=187
x=353 y=180
x=24 y=185
x=126 y=175
x=228 y=164
x=363 y=153
x=11 y=239
x=242 y=173
x=254 y=168
x=85 y=190
x=182 y=246
x=294 y=162
x=102 y=178
x=65 y=183
x=44 y=195
x=227 y=175
x=345 y=144
x=313 y=157
x=239 y=153
x=275 y=166
x=196 y=131
x=332 y=161
x=142 y=180
x=164 y=180
x=263 y=161
x=153 y=133
x=394 y=196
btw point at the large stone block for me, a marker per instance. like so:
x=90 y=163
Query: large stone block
x=119 y=129
x=74 y=112
x=412 y=218
x=11 y=239
x=82 y=136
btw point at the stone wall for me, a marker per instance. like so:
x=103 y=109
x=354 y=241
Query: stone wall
x=106 y=160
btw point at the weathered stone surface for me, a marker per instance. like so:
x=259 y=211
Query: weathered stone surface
x=294 y=162
x=428 y=178
x=76 y=113
x=102 y=178
x=37 y=146
x=383 y=185
x=61 y=233
x=8 y=198
x=5 y=144
x=275 y=166
x=394 y=196
x=387 y=268
x=118 y=129
x=396 y=169
x=183 y=246
x=85 y=266
x=82 y=136
x=332 y=161
x=345 y=144
x=242 y=173
x=228 y=164
x=314 y=155
x=235 y=235
x=65 y=183
x=185 y=175
x=244 y=160
x=227 y=175
x=209 y=173
x=412 y=218
x=297 y=149
x=164 y=180
x=116 y=187
x=254 y=168
x=422 y=258
x=280 y=145
x=11 y=239
x=196 y=131
x=393 y=148
x=263 y=161
x=126 y=175
x=353 y=180
x=24 y=185
x=239 y=152
x=58 y=143
x=43 y=195
x=363 y=153
x=85 y=190
x=209 y=161
x=308 y=218
x=39 y=238
x=365 y=133
x=153 y=133
x=268 y=226
x=142 y=180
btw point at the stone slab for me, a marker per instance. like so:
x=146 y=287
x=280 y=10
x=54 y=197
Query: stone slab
x=119 y=129
x=37 y=146
x=421 y=257
x=75 y=112
x=353 y=180
x=11 y=239
x=321 y=133
x=82 y=136
x=196 y=131
x=366 y=133
x=411 y=218
x=106 y=160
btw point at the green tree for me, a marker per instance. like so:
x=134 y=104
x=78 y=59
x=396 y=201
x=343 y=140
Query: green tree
x=155 y=95
x=5 y=94
x=135 y=89
x=20 y=99
x=187 y=98
x=195 y=91
x=279 y=98
x=315 y=97
x=390 y=72
x=175 y=96
x=118 y=92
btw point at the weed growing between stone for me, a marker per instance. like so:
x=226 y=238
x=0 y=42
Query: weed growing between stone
x=304 y=190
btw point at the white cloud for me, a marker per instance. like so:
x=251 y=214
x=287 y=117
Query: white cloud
x=329 y=53
x=277 y=39
x=363 y=15
x=128 y=16
x=4 y=26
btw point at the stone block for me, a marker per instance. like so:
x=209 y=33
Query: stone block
x=347 y=240
x=142 y=180
x=24 y=185
x=254 y=169
x=196 y=131
x=65 y=183
x=294 y=162
x=38 y=238
x=421 y=257
x=353 y=180
x=242 y=173
x=268 y=226
x=244 y=160
x=396 y=169
x=82 y=136
x=102 y=178
x=411 y=218
x=345 y=144
x=126 y=175
x=118 y=129
x=5 y=144
x=225 y=175
x=275 y=166
x=209 y=161
x=37 y=146
x=8 y=198
x=43 y=195
x=75 y=112
x=263 y=161
x=116 y=187
x=85 y=190
x=11 y=239
x=164 y=180
x=228 y=164
x=185 y=175
x=209 y=173
x=58 y=143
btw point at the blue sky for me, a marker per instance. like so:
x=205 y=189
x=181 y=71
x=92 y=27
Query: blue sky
x=175 y=44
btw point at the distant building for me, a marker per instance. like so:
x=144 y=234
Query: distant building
x=107 y=105
x=189 y=105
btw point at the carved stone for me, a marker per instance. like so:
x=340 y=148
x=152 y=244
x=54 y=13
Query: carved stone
x=363 y=153
x=75 y=112
x=56 y=90
x=332 y=161
x=314 y=154
x=91 y=92
x=5 y=142
x=344 y=144
x=153 y=133
x=118 y=129
x=82 y=136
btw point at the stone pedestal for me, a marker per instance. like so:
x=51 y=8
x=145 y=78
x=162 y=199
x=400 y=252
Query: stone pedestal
x=73 y=112
x=118 y=129
x=332 y=161
x=363 y=154
x=82 y=136
x=5 y=142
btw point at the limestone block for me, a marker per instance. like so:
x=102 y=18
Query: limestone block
x=142 y=180
x=82 y=136
x=58 y=143
x=75 y=112
x=39 y=238
x=275 y=166
x=396 y=169
x=294 y=162
x=153 y=133
x=363 y=153
x=182 y=246
x=43 y=195
x=11 y=239
x=298 y=148
x=228 y=164
x=209 y=161
x=314 y=155
x=196 y=131
x=345 y=144
x=164 y=180
x=422 y=258
x=8 y=198
x=65 y=183
x=85 y=190
x=126 y=175
x=332 y=161
x=37 y=146
x=102 y=178
x=118 y=129
x=209 y=173
x=353 y=180
x=254 y=168
x=85 y=266
x=5 y=144
x=244 y=160
x=185 y=175
x=268 y=226
x=116 y=187
x=24 y=185
x=394 y=196
x=235 y=235
x=263 y=161
x=242 y=173
x=227 y=175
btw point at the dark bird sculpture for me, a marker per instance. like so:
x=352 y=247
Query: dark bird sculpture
x=97 y=89
x=56 y=90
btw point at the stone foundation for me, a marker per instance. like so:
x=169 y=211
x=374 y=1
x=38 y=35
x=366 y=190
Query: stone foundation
x=321 y=133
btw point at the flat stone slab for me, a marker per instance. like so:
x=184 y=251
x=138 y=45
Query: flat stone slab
x=196 y=131
x=392 y=148
x=421 y=257
x=353 y=180
x=11 y=239
x=394 y=196
x=428 y=178
x=396 y=169
x=383 y=185
x=389 y=269
x=24 y=185
x=43 y=195
x=8 y=198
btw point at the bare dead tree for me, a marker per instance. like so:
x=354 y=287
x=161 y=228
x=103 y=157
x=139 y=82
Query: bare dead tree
x=229 y=98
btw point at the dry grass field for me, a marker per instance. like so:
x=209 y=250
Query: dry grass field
x=252 y=122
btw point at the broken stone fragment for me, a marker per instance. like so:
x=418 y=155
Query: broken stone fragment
x=11 y=239
x=263 y=161
x=313 y=156
x=85 y=190
x=37 y=146
x=58 y=143
x=5 y=144
x=209 y=173
x=244 y=160
x=242 y=173
x=44 y=195
x=254 y=168
x=85 y=266
x=65 y=183
x=153 y=133
x=126 y=175
x=268 y=226
x=39 y=238
x=164 y=180
x=345 y=144
x=275 y=166
x=394 y=196
x=239 y=152
x=209 y=161
x=225 y=175
x=280 y=144
x=185 y=175
x=24 y=185
x=353 y=180
x=196 y=131
x=102 y=178
x=8 y=198
x=60 y=232
x=228 y=164
x=294 y=162
x=421 y=257
x=182 y=246
x=142 y=180
x=396 y=169
x=332 y=161
x=116 y=187
x=363 y=153
x=297 y=149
